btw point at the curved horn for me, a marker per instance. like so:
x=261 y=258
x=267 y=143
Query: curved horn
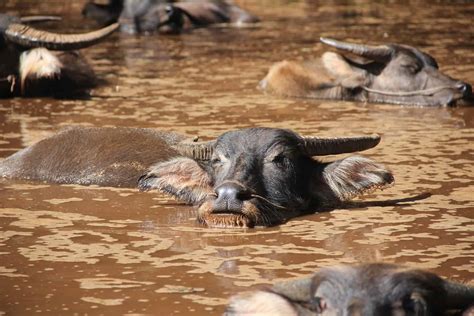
x=39 y=18
x=382 y=52
x=29 y=37
x=319 y=146
x=297 y=290
x=196 y=150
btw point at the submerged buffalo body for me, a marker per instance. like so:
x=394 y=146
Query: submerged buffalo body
x=34 y=62
x=147 y=16
x=375 y=289
x=248 y=177
x=398 y=74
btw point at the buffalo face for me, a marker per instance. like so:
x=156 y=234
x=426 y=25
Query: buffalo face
x=258 y=179
x=368 y=289
x=263 y=176
x=396 y=74
x=412 y=77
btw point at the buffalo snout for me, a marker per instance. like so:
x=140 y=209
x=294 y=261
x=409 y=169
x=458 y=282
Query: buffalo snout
x=464 y=88
x=230 y=197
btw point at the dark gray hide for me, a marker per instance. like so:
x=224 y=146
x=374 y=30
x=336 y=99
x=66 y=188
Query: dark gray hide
x=30 y=67
x=114 y=157
x=147 y=16
x=248 y=177
x=376 y=289
x=398 y=74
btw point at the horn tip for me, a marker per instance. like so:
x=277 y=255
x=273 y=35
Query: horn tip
x=114 y=26
x=327 y=41
x=376 y=138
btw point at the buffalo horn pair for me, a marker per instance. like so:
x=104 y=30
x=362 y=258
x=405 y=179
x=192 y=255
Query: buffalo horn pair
x=312 y=146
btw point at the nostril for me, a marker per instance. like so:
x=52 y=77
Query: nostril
x=262 y=85
x=461 y=87
x=464 y=88
x=244 y=195
x=468 y=90
x=232 y=191
x=226 y=192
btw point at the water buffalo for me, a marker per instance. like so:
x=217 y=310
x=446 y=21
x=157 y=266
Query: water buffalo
x=248 y=177
x=146 y=16
x=376 y=289
x=398 y=74
x=35 y=62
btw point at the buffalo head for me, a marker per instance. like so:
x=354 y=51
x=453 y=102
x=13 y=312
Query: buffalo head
x=263 y=176
x=398 y=74
x=370 y=289
x=31 y=57
x=147 y=16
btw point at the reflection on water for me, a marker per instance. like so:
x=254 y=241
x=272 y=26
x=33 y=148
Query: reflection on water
x=103 y=250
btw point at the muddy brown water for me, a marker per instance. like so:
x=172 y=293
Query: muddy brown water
x=68 y=249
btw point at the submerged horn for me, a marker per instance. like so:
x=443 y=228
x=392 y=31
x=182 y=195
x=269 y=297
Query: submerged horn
x=196 y=150
x=382 y=52
x=39 y=18
x=319 y=146
x=29 y=37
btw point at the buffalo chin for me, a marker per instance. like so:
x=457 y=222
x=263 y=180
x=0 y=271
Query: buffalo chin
x=444 y=98
x=247 y=217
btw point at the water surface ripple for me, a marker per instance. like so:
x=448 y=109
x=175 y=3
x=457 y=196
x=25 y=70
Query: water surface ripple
x=67 y=248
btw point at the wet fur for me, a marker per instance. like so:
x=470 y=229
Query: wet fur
x=37 y=64
x=181 y=177
x=102 y=156
x=352 y=177
x=65 y=73
x=41 y=72
x=367 y=289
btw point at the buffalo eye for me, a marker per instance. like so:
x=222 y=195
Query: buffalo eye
x=216 y=160
x=412 y=68
x=280 y=161
x=169 y=9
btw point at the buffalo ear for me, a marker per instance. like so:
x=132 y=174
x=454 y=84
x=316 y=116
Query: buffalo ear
x=343 y=72
x=181 y=177
x=344 y=179
x=418 y=304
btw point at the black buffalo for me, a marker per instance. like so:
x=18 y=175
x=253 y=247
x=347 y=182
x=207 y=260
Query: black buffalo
x=35 y=63
x=147 y=16
x=398 y=74
x=248 y=177
x=375 y=289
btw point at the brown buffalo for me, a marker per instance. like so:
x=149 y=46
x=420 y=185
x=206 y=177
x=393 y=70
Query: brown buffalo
x=34 y=62
x=248 y=177
x=376 y=289
x=147 y=16
x=398 y=74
